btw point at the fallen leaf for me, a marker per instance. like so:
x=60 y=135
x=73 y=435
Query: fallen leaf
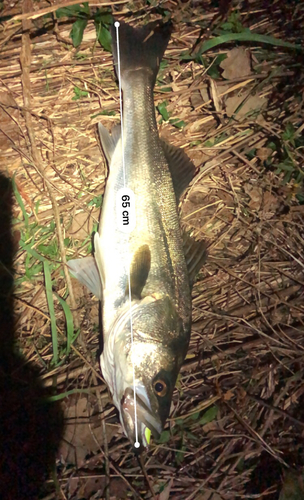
x=197 y=197
x=227 y=215
x=94 y=486
x=196 y=126
x=270 y=204
x=253 y=103
x=7 y=99
x=82 y=436
x=83 y=143
x=237 y=64
x=278 y=316
x=226 y=197
x=211 y=426
x=197 y=157
x=228 y=395
x=73 y=485
x=164 y=495
x=263 y=153
x=256 y=196
x=241 y=395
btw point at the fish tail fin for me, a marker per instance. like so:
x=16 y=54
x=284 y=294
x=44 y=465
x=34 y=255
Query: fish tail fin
x=141 y=49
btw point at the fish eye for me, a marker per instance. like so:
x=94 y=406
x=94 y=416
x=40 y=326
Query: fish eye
x=160 y=388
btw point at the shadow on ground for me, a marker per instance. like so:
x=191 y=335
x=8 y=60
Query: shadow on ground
x=30 y=426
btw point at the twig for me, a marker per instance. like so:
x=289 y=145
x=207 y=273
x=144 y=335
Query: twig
x=143 y=468
x=256 y=435
x=276 y=410
x=42 y=12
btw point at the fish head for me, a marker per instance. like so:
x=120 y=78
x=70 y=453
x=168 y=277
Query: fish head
x=145 y=407
x=146 y=365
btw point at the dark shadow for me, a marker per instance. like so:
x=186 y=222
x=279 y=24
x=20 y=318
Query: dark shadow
x=30 y=426
x=267 y=473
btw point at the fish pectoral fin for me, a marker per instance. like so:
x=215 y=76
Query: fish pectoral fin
x=139 y=271
x=108 y=141
x=86 y=271
x=195 y=255
x=181 y=167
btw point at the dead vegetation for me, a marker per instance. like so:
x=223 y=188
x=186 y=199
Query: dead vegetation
x=237 y=418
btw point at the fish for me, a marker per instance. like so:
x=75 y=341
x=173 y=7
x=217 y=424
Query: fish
x=142 y=276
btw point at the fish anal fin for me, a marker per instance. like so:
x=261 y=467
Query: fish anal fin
x=181 y=167
x=139 y=270
x=195 y=255
x=86 y=271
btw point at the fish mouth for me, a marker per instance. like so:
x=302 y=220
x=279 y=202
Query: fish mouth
x=147 y=423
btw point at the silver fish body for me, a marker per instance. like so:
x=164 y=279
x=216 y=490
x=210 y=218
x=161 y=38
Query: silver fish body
x=145 y=286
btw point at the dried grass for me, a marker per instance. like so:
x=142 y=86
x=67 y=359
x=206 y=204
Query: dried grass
x=246 y=351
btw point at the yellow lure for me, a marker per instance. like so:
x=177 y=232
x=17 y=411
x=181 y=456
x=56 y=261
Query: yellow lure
x=147 y=435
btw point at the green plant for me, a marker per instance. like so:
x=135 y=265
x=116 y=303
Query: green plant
x=176 y=122
x=39 y=246
x=102 y=20
x=79 y=94
x=289 y=164
x=184 y=429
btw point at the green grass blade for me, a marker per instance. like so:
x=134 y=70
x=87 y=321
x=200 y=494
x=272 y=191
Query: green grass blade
x=247 y=37
x=65 y=394
x=33 y=252
x=49 y=297
x=20 y=202
x=69 y=322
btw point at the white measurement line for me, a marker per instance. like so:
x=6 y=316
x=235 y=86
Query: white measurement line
x=117 y=24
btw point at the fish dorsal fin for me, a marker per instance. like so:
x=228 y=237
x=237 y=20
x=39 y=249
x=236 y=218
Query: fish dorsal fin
x=181 y=167
x=108 y=141
x=139 y=270
x=86 y=271
x=195 y=255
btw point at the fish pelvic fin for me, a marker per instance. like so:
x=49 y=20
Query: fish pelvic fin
x=195 y=255
x=98 y=255
x=109 y=141
x=139 y=271
x=86 y=271
x=181 y=167
x=141 y=48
